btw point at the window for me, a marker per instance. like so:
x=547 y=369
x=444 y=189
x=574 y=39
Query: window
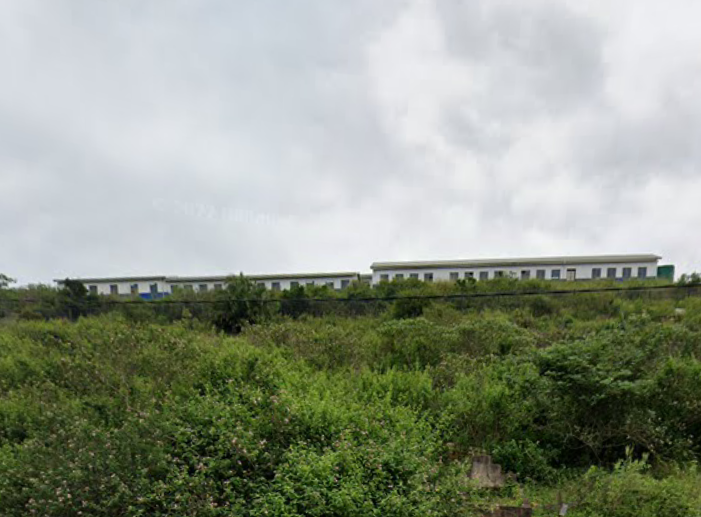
x=275 y=286
x=611 y=272
x=428 y=277
x=261 y=284
x=596 y=272
x=174 y=288
x=498 y=274
x=454 y=275
x=153 y=289
x=310 y=284
x=345 y=284
x=399 y=276
x=134 y=288
x=555 y=274
x=330 y=284
x=294 y=284
x=384 y=278
x=93 y=289
x=484 y=275
x=189 y=288
x=540 y=274
x=627 y=272
x=642 y=272
x=114 y=289
x=525 y=274
x=414 y=275
x=203 y=288
x=218 y=287
x=469 y=274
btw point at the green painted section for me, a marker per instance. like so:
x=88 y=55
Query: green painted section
x=665 y=272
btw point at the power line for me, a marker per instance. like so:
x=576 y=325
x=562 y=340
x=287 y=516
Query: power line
x=366 y=299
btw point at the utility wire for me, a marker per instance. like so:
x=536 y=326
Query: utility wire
x=458 y=296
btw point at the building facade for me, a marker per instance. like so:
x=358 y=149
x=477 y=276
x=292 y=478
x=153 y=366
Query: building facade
x=593 y=267
x=154 y=287
x=613 y=267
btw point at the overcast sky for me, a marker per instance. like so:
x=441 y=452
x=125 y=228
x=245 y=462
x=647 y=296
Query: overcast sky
x=214 y=136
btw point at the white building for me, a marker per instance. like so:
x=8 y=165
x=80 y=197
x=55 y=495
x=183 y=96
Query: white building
x=615 y=267
x=337 y=280
x=153 y=287
x=144 y=286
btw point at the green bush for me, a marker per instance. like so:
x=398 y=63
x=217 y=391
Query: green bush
x=134 y=414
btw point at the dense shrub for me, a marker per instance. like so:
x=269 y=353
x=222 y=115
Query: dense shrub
x=336 y=415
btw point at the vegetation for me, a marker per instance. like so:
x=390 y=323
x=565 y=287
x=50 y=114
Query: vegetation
x=267 y=404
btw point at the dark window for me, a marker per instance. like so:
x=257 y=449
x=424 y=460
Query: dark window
x=345 y=284
x=525 y=274
x=414 y=275
x=93 y=289
x=454 y=276
x=399 y=276
x=189 y=288
x=294 y=284
x=134 y=288
x=469 y=274
x=611 y=272
x=627 y=272
x=540 y=274
x=484 y=275
x=153 y=288
x=218 y=287
x=203 y=288
x=498 y=274
x=428 y=277
x=330 y=284
x=555 y=274
x=261 y=284
x=596 y=272
x=642 y=272
x=114 y=289
x=384 y=278
x=275 y=286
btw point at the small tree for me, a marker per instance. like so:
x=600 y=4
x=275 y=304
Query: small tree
x=75 y=301
x=241 y=303
x=5 y=281
x=295 y=302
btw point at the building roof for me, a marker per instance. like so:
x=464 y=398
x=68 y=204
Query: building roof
x=217 y=278
x=114 y=279
x=555 y=261
x=287 y=276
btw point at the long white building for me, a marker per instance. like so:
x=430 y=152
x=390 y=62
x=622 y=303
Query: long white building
x=153 y=287
x=614 y=267
x=591 y=267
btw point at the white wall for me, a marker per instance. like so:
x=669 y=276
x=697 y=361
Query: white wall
x=583 y=271
x=125 y=287
x=286 y=283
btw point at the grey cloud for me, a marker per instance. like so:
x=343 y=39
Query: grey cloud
x=542 y=56
x=202 y=137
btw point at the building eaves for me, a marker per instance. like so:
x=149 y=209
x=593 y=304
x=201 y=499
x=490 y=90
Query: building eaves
x=113 y=279
x=532 y=261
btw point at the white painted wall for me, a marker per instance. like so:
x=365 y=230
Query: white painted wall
x=165 y=286
x=124 y=288
x=583 y=271
x=286 y=283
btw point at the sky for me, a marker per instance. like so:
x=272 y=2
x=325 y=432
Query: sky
x=202 y=137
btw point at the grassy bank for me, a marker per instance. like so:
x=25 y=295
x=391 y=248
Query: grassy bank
x=598 y=404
